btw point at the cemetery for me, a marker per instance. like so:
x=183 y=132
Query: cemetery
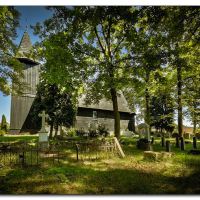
x=99 y=104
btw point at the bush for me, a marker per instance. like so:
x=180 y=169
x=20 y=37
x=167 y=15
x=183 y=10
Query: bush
x=2 y=132
x=152 y=133
x=71 y=132
x=102 y=130
x=93 y=133
x=81 y=133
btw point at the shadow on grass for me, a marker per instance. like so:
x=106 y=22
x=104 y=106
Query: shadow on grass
x=79 y=179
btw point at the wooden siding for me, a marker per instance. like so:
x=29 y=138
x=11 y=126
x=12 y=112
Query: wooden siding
x=21 y=105
x=84 y=117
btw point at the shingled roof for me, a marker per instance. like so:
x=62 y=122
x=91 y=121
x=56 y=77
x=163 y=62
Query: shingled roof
x=24 y=50
x=25 y=44
x=106 y=104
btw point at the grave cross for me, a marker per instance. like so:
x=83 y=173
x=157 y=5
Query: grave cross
x=44 y=116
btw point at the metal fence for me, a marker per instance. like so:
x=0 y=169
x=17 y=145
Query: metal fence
x=25 y=154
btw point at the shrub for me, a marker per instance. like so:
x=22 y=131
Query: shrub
x=102 y=130
x=2 y=132
x=81 y=133
x=71 y=132
x=152 y=133
x=93 y=133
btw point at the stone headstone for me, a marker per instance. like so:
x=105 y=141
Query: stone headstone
x=194 y=143
x=143 y=130
x=152 y=140
x=168 y=146
x=43 y=134
x=182 y=143
x=177 y=142
x=44 y=116
x=43 y=137
x=163 y=141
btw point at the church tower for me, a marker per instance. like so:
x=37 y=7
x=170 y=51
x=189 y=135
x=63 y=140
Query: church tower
x=20 y=121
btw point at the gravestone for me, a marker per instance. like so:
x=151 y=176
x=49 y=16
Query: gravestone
x=168 y=146
x=145 y=140
x=163 y=141
x=43 y=134
x=177 y=142
x=93 y=124
x=194 y=143
x=143 y=130
x=182 y=143
x=152 y=140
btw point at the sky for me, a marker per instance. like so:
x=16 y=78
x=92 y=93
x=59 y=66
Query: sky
x=30 y=15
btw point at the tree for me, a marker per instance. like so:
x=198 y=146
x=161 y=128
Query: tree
x=93 y=40
x=146 y=45
x=178 y=25
x=4 y=123
x=191 y=77
x=56 y=103
x=10 y=67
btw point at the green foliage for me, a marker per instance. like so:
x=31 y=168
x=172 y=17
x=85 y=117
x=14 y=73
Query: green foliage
x=10 y=67
x=4 y=125
x=56 y=102
x=71 y=132
x=81 y=132
x=102 y=130
x=93 y=40
x=2 y=132
x=147 y=52
x=162 y=112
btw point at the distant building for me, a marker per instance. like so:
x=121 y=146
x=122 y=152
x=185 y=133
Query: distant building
x=21 y=121
x=187 y=129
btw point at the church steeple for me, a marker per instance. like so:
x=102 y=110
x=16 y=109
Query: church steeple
x=24 y=50
x=25 y=45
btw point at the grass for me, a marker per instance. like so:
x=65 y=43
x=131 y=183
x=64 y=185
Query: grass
x=109 y=175
x=18 y=138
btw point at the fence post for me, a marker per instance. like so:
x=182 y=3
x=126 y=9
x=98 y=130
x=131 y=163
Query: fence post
x=77 y=151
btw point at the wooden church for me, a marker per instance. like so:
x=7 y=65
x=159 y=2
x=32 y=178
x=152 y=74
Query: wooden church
x=20 y=119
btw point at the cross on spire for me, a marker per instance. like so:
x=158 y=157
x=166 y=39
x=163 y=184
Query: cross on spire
x=26 y=29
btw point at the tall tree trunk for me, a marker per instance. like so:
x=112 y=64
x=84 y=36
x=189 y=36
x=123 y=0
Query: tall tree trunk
x=56 y=130
x=147 y=101
x=51 y=130
x=179 y=89
x=194 y=119
x=116 y=112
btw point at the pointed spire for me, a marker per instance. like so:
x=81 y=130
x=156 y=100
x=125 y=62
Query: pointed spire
x=25 y=44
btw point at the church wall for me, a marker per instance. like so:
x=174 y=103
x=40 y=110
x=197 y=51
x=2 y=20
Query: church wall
x=85 y=116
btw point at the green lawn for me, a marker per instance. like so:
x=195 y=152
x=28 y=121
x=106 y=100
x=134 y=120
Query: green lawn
x=18 y=138
x=109 y=175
